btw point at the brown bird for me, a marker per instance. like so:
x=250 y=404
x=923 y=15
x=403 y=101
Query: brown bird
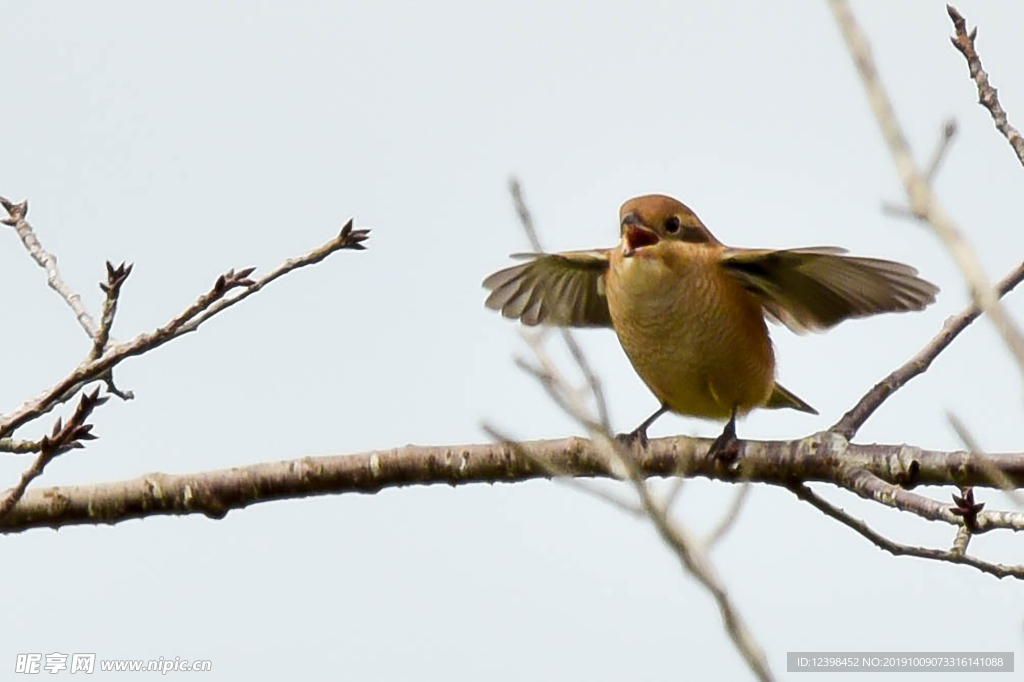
x=690 y=311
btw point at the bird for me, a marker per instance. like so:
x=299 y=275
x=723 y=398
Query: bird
x=690 y=312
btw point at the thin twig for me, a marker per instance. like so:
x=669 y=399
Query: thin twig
x=728 y=520
x=526 y=221
x=112 y=388
x=525 y=217
x=865 y=407
x=685 y=547
x=868 y=485
x=962 y=539
x=348 y=238
x=47 y=261
x=898 y=549
x=563 y=476
x=62 y=439
x=673 y=493
x=112 y=289
x=987 y=95
x=696 y=562
x=919 y=194
x=19 y=447
x=205 y=307
x=939 y=155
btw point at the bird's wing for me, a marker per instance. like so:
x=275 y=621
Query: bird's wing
x=561 y=289
x=816 y=288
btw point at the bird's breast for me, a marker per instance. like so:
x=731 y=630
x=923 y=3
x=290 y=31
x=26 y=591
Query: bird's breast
x=694 y=335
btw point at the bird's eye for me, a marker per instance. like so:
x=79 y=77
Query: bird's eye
x=672 y=224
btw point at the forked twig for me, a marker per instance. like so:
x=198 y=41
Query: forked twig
x=923 y=203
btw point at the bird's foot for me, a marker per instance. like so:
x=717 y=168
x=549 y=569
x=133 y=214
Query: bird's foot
x=639 y=434
x=634 y=437
x=726 y=448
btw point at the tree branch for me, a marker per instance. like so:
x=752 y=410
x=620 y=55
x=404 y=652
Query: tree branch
x=897 y=549
x=823 y=457
x=206 y=306
x=47 y=261
x=923 y=203
x=859 y=413
x=62 y=439
x=112 y=288
x=987 y=95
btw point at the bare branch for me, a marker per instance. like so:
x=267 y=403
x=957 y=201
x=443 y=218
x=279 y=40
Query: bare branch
x=205 y=307
x=112 y=288
x=61 y=440
x=696 y=562
x=348 y=238
x=112 y=389
x=962 y=539
x=48 y=262
x=19 y=447
x=565 y=477
x=897 y=549
x=859 y=413
x=948 y=133
x=688 y=549
x=673 y=493
x=525 y=217
x=870 y=486
x=729 y=519
x=919 y=194
x=213 y=493
x=987 y=95
x=526 y=221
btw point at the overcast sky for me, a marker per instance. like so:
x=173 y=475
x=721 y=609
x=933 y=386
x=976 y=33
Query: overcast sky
x=189 y=138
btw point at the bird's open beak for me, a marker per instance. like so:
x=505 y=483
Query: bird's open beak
x=635 y=237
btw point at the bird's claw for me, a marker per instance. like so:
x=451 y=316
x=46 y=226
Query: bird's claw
x=726 y=448
x=633 y=437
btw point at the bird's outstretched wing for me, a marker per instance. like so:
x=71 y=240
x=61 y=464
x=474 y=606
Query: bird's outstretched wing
x=561 y=289
x=816 y=288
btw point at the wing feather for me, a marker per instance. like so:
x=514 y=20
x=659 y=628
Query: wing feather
x=560 y=289
x=816 y=288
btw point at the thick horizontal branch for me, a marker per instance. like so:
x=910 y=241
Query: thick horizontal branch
x=823 y=457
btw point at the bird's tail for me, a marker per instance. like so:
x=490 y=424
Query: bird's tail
x=781 y=398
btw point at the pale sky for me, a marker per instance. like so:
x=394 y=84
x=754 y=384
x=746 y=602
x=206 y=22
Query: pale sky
x=190 y=138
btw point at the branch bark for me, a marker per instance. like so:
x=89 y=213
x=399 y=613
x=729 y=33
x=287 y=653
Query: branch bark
x=823 y=457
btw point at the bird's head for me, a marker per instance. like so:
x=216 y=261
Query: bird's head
x=648 y=221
